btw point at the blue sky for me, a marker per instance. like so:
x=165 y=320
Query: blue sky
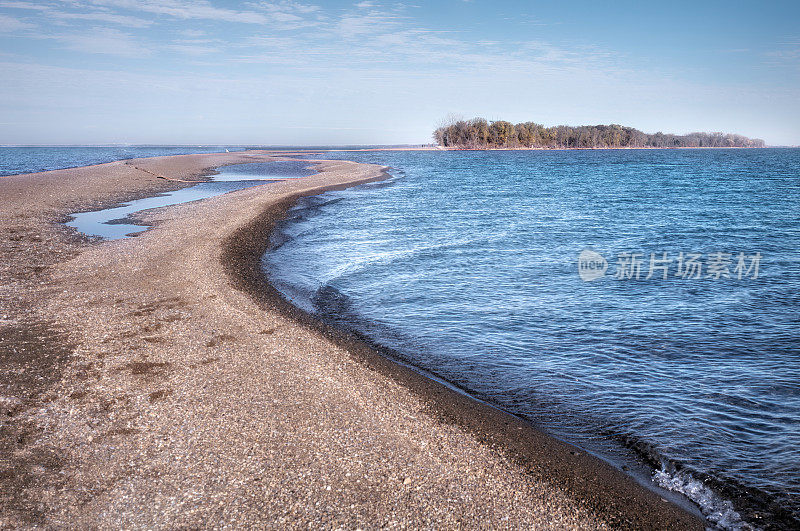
x=373 y=72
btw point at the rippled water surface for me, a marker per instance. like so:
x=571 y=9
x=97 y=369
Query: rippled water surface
x=466 y=263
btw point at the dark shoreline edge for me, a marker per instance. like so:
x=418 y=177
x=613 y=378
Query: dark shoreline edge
x=612 y=494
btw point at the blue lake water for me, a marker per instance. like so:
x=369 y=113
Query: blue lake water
x=466 y=264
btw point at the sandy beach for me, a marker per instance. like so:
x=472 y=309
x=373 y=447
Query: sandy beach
x=159 y=381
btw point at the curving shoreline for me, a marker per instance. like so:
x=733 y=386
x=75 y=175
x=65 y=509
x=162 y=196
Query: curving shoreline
x=277 y=413
x=607 y=490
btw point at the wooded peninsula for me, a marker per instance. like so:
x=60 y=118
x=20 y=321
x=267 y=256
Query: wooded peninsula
x=482 y=134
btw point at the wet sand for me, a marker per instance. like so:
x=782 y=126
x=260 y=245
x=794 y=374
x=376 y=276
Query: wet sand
x=159 y=381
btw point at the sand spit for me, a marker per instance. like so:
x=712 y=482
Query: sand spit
x=158 y=382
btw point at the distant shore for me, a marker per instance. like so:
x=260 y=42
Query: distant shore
x=588 y=148
x=166 y=383
x=441 y=148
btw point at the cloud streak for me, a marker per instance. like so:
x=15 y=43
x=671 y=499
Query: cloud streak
x=105 y=41
x=12 y=25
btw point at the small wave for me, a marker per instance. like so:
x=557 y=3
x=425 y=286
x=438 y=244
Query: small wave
x=385 y=183
x=718 y=511
x=384 y=258
x=321 y=201
x=335 y=307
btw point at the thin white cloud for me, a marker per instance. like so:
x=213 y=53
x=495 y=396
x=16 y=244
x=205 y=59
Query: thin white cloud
x=285 y=6
x=188 y=9
x=24 y=5
x=135 y=22
x=10 y=24
x=787 y=54
x=305 y=8
x=105 y=41
x=193 y=49
x=62 y=15
x=280 y=15
x=369 y=22
x=196 y=47
x=191 y=33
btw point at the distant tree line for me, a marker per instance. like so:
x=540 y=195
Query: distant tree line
x=482 y=134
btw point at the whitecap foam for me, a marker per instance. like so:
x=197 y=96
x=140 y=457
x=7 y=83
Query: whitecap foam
x=718 y=511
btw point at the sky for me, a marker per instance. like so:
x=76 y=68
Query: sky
x=375 y=72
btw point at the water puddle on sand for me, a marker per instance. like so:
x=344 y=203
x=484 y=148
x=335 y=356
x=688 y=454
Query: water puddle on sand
x=115 y=223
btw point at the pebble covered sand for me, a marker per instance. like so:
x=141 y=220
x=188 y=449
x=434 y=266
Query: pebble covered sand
x=145 y=383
